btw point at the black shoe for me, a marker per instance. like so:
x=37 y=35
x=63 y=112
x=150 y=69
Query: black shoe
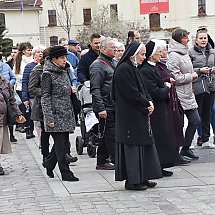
x=70 y=159
x=199 y=141
x=48 y=171
x=28 y=133
x=13 y=139
x=129 y=186
x=188 y=153
x=149 y=184
x=70 y=178
x=32 y=135
x=105 y=166
x=2 y=171
x=182 y=160
x=167 y=173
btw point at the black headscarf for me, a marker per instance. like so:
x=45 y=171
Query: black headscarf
x=130 y=51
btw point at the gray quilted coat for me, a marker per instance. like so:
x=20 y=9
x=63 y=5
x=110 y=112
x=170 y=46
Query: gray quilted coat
x=55 y=98
x=179 y=63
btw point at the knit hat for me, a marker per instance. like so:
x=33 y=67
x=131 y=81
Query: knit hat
x=57 y=51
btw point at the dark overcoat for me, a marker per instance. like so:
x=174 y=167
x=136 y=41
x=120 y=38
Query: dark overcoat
x=174 y=109
x=161 y=129
x=131 y=102
x=34 y=86
x=56 y=98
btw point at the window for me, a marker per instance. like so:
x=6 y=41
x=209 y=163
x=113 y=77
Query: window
x=52 y=18
x=87 y=16
x=201 y=8
x=114 y=11
x=2 y=18
x=154 y=21
x=53 y=41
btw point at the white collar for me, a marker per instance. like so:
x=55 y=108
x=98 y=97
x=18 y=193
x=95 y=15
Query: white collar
x=151 y=63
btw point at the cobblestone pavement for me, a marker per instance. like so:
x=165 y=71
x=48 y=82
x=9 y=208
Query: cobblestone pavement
x=25 y=189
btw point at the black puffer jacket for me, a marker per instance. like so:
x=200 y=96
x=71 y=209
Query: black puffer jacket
x=56 y=98
x=101 y=75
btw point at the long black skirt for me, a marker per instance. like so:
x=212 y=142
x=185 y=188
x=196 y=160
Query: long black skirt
x=136 y=163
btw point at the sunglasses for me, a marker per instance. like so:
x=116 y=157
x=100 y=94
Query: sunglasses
x=202 y=28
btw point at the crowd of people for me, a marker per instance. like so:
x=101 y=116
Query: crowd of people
x=140 y=96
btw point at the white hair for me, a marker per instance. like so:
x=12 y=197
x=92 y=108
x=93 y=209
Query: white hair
x=40 y=47
x=160 y=43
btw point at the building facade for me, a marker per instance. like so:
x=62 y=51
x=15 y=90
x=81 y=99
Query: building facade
x=45 y=22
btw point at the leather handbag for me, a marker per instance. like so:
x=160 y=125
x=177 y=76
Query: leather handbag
x=201 y=85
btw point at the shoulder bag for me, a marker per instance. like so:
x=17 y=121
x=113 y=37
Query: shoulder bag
x=201 y=85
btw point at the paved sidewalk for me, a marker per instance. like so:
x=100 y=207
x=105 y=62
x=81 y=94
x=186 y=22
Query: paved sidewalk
x=26 y=189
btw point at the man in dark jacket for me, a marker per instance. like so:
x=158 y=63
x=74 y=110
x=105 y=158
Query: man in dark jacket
x=101 y=74
x=88 y=58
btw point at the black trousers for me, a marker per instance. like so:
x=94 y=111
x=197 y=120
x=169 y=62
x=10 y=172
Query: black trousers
x=205 y=104
x=29 y=122
x=106 y=147
x=193 y=123
x=44 y=140
x=57 y=154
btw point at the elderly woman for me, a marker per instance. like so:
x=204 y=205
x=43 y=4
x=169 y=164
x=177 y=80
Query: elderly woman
x=120 y=49
x=202 y=57
x=181 y=66
x=175 y=113
x=57 y=110
x=6 y=93
x=136 y=156
x=159 y=92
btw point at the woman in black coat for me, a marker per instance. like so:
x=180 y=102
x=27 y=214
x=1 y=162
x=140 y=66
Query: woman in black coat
x=136 y=159
x=159 y=92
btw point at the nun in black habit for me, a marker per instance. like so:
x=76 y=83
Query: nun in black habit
x=159 y=92
x=136 y=156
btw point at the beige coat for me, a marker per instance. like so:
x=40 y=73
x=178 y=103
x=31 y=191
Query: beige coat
x=181 y=66
x=5 y=146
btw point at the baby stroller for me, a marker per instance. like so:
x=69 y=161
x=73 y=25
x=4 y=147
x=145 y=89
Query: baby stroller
x=89 y=137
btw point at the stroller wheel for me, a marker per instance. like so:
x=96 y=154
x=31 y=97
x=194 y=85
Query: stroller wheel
x=91 y=151
x=79 y=145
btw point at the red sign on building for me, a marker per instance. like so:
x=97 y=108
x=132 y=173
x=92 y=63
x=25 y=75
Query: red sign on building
x=154 y=6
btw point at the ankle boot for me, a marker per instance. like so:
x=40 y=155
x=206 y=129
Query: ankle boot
x=70 y=159
x=28 y=133
x=32 y=134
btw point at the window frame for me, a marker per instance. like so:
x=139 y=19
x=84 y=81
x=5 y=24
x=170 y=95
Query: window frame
x=2 y=18
x=53 y=40
x=201 y=7
x=52 y=18
x=87 y=17
x=154 y=21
